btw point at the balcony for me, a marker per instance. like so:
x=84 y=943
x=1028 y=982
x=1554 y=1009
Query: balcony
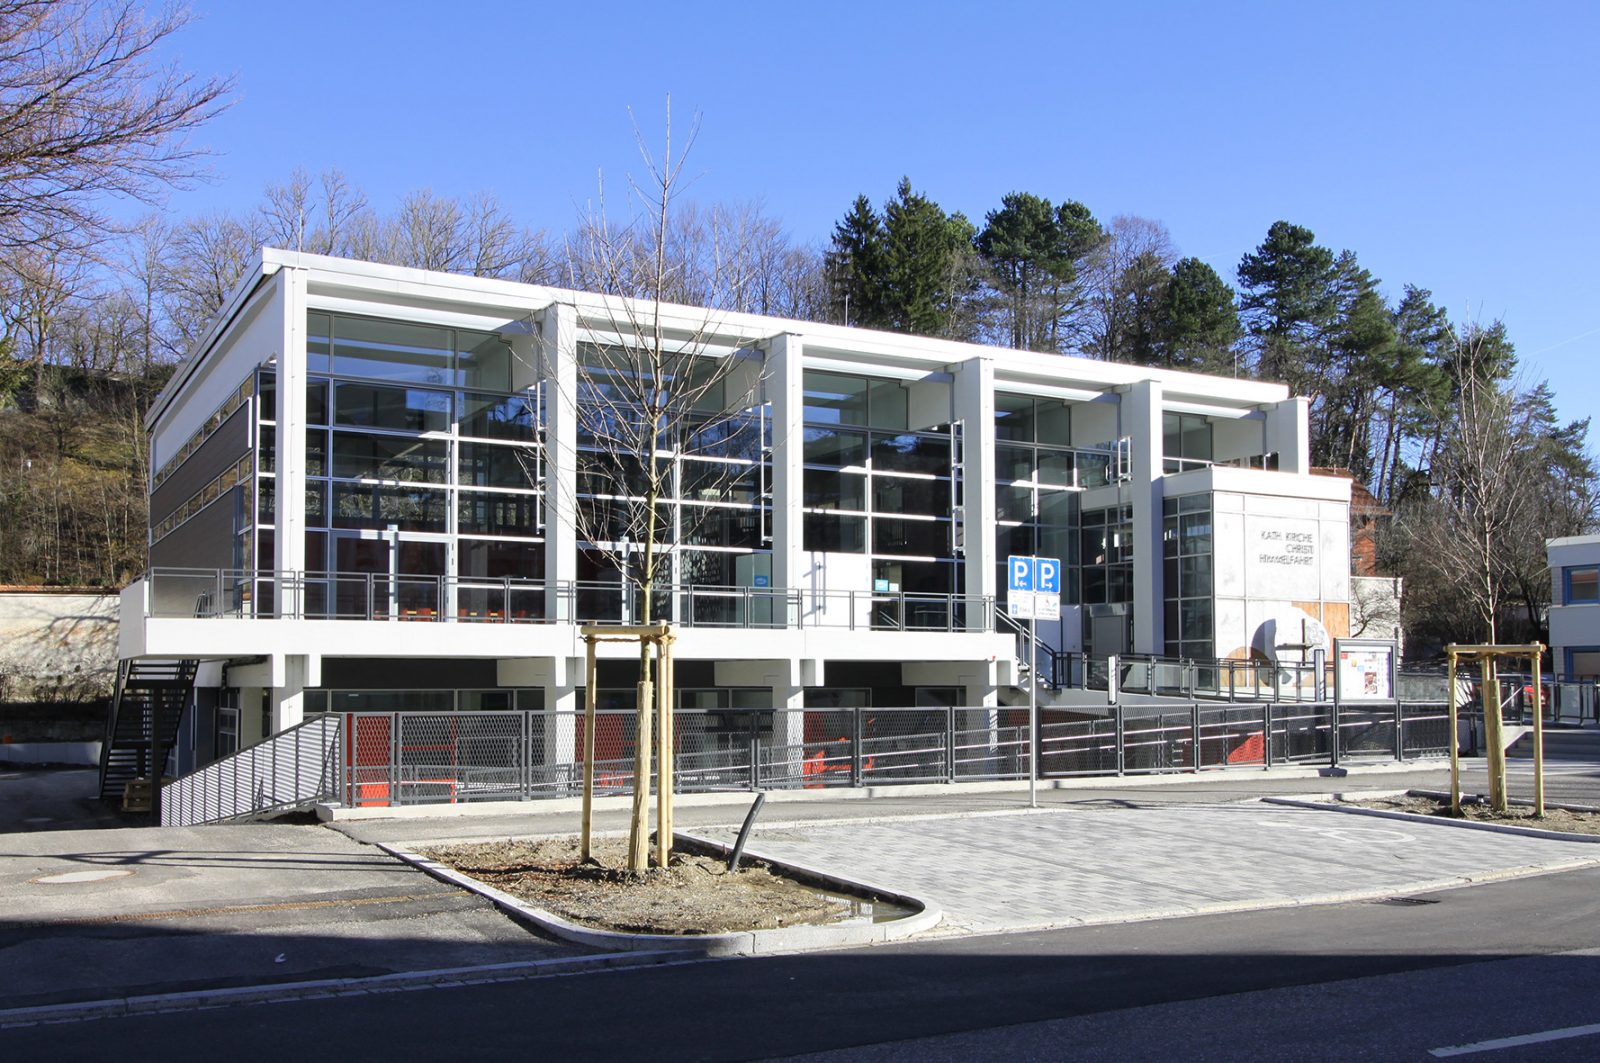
x=236 y=594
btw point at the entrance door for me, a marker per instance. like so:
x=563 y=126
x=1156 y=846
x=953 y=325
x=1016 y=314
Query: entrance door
x=391 y=575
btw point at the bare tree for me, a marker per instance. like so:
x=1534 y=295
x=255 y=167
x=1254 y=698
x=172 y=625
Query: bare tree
x=655 y=387
x=1462 y=535
x=1119 y=279
x=298 y=216
x=205 y=258
x=86 y=111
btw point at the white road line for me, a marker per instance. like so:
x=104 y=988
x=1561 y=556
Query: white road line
x=1514 y=1042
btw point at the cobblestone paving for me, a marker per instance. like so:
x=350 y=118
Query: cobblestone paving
x=1059 y=868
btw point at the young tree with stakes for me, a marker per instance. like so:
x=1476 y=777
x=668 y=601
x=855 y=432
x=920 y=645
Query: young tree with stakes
x=652 y=383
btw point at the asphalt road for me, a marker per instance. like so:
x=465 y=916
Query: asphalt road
x=1378 y=980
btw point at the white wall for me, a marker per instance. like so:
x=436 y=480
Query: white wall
x=256 y=336
x=57 y=642
x=1270 y=552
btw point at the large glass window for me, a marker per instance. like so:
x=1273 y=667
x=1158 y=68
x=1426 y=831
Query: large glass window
x=510 y=417
x=397 y=409
x=392 y=350
x=484 y=465
x=1186 y=441
x=375 y=457
x=1582 y=584
x=1186 y=547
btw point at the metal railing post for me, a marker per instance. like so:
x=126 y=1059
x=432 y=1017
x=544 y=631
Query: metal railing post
x=755 y=746
x=527 y=752
x=1333 y=732
x=950 y=744
x=1194 y=737
x=1121 y=736
x=1266 y=735
x=1399 y=738
x=855 y=747
x=394 y=758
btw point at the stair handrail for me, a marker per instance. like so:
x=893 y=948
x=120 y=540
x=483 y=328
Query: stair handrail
x=329 y=766
x=1042 y=648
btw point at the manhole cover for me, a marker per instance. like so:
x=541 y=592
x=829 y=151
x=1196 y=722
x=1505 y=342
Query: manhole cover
x=67 y=877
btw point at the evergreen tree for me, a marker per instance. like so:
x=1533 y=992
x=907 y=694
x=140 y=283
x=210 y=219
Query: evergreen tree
x=1414 y=389
x=1287 y=302
x=1030 y=258
x=923 y=251
x=1199 y=323
x=856 y=268
x=1348 y=368
x=909 y=269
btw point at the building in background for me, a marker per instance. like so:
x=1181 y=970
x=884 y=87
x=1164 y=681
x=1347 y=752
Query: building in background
x=1574 y=606
x=370 y=487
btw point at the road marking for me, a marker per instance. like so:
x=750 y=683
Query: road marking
x=243 y=909
x=80 y=876
x=322 y=989
x=1514 y=1042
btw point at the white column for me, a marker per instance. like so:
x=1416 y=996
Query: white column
x=1289 y=433
x=289 y=522
x=786 y=391
x=290 y=675
x=558 y=334
x=1141 y=423
x=974 y=408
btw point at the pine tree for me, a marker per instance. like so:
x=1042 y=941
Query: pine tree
x=1287 y=302
x=1200 y=324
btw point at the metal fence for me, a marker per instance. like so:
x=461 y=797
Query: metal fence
x=1152 y=739
x=1566 y=700
x=288 y=770
x=384 y=759
x=420 y=758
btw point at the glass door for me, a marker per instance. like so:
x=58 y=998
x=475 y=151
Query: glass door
x=390 y=575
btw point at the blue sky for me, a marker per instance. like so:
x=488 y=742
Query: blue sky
x=1450 y=145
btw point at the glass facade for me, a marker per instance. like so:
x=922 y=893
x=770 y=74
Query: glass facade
x=1036 y=487
x=711 y=471
x=1187 y=551
x=875 y=486
x=424 y=471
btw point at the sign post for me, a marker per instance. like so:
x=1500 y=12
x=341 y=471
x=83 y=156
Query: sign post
x=1033 y=590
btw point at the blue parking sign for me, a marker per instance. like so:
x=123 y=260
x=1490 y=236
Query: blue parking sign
x=1040 y=574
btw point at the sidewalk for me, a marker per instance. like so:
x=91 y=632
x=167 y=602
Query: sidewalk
x=1051 y=868
x=92 y=914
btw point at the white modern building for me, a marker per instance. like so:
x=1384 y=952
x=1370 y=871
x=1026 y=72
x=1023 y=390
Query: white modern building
x=1574 y=606
x=376 y=487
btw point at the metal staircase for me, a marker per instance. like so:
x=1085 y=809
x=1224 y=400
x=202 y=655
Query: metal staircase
x=151 y=696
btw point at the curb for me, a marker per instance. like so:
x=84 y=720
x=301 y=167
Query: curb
x=740 y=943
x=1442 y=821
x=329 y=812
x=324 y=988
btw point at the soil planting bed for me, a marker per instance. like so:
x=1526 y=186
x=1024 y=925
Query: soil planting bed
x=1518 y=815
x=696 y=895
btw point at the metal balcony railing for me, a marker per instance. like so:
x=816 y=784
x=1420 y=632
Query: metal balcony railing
x=263 y=595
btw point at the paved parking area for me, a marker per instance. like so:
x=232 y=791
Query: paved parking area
x=94 y=913
x=1016 y=870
